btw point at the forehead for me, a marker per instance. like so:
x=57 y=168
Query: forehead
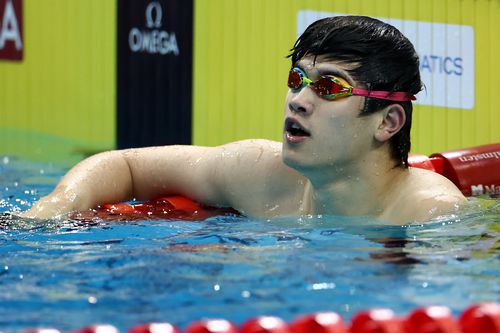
x=317 y=66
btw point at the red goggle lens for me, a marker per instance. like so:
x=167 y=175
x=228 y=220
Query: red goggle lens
x=295 y=80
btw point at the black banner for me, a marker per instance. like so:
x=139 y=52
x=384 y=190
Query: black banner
x=154 y=74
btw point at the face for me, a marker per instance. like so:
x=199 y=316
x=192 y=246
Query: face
x=320 y=133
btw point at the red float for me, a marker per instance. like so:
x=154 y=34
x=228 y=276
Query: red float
x=323 y=322
x=264 y=324
x=433 y=319
x=101 y=328
x=475 y=171
x=376 y=321
x=483 y=318
x=155 y=328
x=174 y=207
x=212 y=326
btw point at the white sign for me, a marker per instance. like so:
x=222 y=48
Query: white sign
x=446 y=54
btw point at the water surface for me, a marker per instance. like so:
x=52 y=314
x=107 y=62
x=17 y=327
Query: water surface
x=67 y=274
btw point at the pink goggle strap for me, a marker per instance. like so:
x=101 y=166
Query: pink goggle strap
x=396 y=96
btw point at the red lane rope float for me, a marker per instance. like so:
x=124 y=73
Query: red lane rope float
x=478 y=318
x=475 y=171
x=173 y=207
x=322 y=322
x=265 y=324
x=432 y=319
x=376 y=320
x=481 y=318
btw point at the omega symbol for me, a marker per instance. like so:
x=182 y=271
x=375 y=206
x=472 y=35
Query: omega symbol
x=154 y=15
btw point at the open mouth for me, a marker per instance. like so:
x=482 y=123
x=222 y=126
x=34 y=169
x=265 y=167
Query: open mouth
x=295 y=129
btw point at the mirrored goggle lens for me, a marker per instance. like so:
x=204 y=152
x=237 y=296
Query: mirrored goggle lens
x=294 y=80
x=326 y=86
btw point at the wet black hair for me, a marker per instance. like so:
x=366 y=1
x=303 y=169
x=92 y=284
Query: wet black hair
x=380 y=57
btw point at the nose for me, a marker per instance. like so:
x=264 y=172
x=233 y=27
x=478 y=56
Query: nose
x=302 y=101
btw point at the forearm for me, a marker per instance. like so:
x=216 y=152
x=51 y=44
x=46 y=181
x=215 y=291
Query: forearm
x=99 y=179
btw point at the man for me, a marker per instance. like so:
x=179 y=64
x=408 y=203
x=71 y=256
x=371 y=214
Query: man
x=344 y=149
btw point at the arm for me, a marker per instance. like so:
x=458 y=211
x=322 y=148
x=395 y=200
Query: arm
x=104 y=177
x=227 y=175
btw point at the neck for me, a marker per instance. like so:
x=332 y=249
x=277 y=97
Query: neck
x=354 y=189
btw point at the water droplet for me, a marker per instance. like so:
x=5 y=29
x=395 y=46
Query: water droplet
x=216 y=287
x=274 y=208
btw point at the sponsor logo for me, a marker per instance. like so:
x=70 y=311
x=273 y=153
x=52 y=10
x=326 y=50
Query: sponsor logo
x=11 y=33
x=478 y=157
x=151 y=39
x=481 y=189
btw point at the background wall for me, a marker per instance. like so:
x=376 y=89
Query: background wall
x=61 y=98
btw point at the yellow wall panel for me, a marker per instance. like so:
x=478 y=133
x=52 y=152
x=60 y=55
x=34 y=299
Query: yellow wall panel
x=64 y=89
x=240 y=70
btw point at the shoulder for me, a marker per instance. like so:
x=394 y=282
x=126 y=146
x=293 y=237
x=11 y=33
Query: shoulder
x=252 y=146
x=255 y=160
x=254 y=179
x=251 y=155
x=425 y=195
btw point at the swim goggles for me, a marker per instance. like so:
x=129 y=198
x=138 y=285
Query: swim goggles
x=330 y=87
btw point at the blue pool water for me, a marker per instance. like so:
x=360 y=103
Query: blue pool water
x=66 y=275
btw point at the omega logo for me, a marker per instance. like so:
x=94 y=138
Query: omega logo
x=152 y=40
x=156 y=21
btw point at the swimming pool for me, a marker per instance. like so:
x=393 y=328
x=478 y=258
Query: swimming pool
x=67 y=275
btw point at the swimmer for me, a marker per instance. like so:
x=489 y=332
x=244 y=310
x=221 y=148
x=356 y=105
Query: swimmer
x=346 y=138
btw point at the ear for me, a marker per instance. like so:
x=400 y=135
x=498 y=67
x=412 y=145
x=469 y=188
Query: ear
x=393 y=120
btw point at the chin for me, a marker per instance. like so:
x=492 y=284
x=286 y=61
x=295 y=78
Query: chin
x=296 y=161
x=290 y=157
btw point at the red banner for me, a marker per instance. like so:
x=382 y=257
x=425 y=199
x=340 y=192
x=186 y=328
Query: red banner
x=11 y=29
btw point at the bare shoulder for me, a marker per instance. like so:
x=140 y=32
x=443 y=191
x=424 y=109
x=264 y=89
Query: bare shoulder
x=424 y=195
x=255 y=155
x=254 y=178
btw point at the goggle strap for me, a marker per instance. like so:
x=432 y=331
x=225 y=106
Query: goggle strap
x=397 y=96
